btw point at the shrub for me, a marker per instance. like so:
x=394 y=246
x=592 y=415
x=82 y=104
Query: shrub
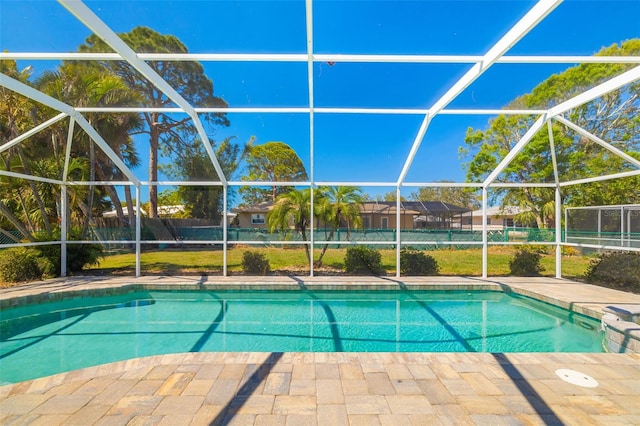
x=49 y=256
x=526 y=263
x=19 y=264
x=414 y=262
x=78 y=255
x=538 y=248
x=363 y=260
x=570 y=251
x=617 y=270
x=255 y=263
x=47 y=268
x=81 y=255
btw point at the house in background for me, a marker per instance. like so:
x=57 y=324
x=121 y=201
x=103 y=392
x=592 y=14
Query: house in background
x=375 y=215
x=413 y=215
x=254 y=216
x=382 y=215
x=436 y=214
x=498 y=218
x=163 y=211
x=113 y=214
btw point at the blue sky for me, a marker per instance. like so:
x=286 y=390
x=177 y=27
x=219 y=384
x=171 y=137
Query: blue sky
x=347 y=147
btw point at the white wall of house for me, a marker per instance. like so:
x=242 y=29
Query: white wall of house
x=498 y=218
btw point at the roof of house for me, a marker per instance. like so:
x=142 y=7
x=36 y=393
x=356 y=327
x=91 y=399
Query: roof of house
x=498 y=211
x=125 y=212
x=427 y=207
x=384 y=208
x=262 y=207
x=380 y=207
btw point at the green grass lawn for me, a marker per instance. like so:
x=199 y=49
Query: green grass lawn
x=286 y=260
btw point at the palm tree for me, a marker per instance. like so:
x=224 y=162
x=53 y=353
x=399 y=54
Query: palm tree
x=16 y=116
x=292 y=208
x=338 y=206
x=83 y=86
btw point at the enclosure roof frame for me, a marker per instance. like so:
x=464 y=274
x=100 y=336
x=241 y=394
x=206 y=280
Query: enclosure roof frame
x=479 y=64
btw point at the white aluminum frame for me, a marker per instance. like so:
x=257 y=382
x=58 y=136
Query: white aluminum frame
x=479 y=64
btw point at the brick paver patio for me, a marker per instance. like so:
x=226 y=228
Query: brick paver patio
x=337 y=388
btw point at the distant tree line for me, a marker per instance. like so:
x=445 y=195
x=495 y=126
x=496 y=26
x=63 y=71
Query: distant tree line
x=613 y=118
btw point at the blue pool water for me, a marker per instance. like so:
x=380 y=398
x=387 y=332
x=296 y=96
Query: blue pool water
x=40 y=340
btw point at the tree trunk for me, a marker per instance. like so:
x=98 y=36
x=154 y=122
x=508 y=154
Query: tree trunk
x=306 y=246
x=113 y=195
x=324 y=249
x=115 y=200
x=27 y=219
x=130 y=207
x=15 y=222
x=154 y=139
x=87 y=213
x=7 y=167
x=539 y=214
x=9 y=235
x=92 y=177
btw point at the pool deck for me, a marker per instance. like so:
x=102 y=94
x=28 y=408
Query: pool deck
x=334 y=388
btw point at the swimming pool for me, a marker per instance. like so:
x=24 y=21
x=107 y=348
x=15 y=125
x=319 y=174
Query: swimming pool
x=44 y=339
